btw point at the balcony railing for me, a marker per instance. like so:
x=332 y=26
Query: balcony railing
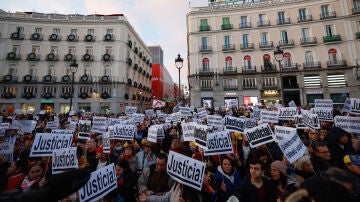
x=249 y=87
x=247 y=46
x=283 y=21
x=263 y=23
x=109 y=37
x=355 y=10
x=308 y=41
x=268 y=68
x=13 y=56
x=49 y=79
x=305 y=18
x=230 y=70
x=249 y=69
x=54 y=37
x=52 y=57
x=204 y=28
x=266 y=45
x=69 y=57
x=327 y=15
x=312 y=65
x=228 y=47
x=206 y=88
x=357 y=35
x=33 y=57
x=17 y=36
x=72 y=37
x=87 y=58
x=336 y=63
x=205 y=49
x=289 y=42
x=332 y=38
x=230 y=87
x=37 y=37
x=290 y=67
x=226 y=26
x=89 y=38
x=245 y=25
x=206 y=71
x=9 y=78
x=30 y=79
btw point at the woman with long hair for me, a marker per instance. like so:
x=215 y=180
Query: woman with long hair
x=284 y=183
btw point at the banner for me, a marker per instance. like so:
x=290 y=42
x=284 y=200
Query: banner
x=259 y=135
x=200 y=132
x=45 y=143
x=234 y=124
x=99 y=124
x=188 y=131
x=124 y=132
x=64 y=160
x=324 y=103
x=184 y=112
x=289 y=143
x=130 y=110
x=84 y=129
x=355 y=106
x=348 y=123
x=269 y=116
x=215 y=121
x=218 y=143
x=101 y=182
x=310 y=120
x=201 y=112
x=186 y=170
x=287 y=113
x=324 y=114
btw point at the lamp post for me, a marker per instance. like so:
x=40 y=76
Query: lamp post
x=73 y=68
x=179 y=64
x=279 y=55
x=356 y=69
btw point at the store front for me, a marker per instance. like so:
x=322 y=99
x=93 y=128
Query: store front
x=250 y=100
x=230 y=102
x=269 y=97
x=27 y=107
x=85 y=107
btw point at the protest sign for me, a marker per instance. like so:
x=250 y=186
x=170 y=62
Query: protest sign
x=184 y=112
x=45 y=143
x=234 y=124
x=113 y=121
x=106 y=142
x=215 y=121
x=347 y=105
x=26 y=126
x=161 y=132
x=355 y=106
x=299 y=122
x=101 y=182
x=348 y=123
x=188 y=131
x=269 y=116
x=259 y=135
x=62 y=131
x=324 y=103
x=201 y=112
x=99 y=124
x=310 y=120
x=51 y=125
x=124 y=132
x=255 y=114
x=64 y=160
x=289 y=143
x=3 y=127
x=218 y=143
x=200 y=132
x=130 y=110
x=7 y=149
x=152 y=133
x=324 y=114
x=175 y=117
x=149 y=112
x=287 y=113
x=84 y=129
x=138 y=118
x=292 y=103
x=186 y=170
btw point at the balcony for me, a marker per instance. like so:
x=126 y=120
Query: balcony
x=355 y=10
x=28 y=95
x=33 y=57
x=87 y=58
x=254 y=87
x=230 y=87
x=107 y=57
x=266 y=45
x=245 y=25
x=283 y=21
x=69 y=57
x=310 y=41
x=72 y=37
x=206 y=88
x=17 y=36
x=336 y=63
x=13 y=56
x=83 y=95
x=48 y=95
x=105 y=79
x=263 y=23
x=305 y=18
x=205 y=49
x=54 y=37
x=89 y=38
x=268 y=68
x=66 y=78
x=30 y=79
x=85 y=79
x=230 y=70
x=226 y=26
x=287 y=43
x=206 y=71
x=9 y=78
x=247 y=46
x=327 y=15
x=332 y=38
x=228 y=47
x=8 y=95
x=49 y=79
x=204 y=28
x=37 y=37
x=249 y=69
x=52 y=57
x=109 y=37
x=290 y=67
x=357 y=35
x=312 y=65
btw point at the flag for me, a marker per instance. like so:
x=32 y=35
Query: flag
x=158 y=103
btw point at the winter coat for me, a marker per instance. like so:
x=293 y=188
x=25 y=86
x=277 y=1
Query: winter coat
x=232 y=183
x=248 y=191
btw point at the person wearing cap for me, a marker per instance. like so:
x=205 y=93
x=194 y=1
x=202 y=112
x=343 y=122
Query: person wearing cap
x=285 y=184
x=102 y=158
x=129 y=155
x=145 y=158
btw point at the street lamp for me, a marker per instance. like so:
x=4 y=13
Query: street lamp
x=279 y=55
x=73 y=68
x=357 y=69
x=179 y=64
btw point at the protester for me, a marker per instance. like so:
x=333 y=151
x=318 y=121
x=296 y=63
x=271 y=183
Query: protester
x=145 y=157
x=14 y=176
x=91 y=154
x=321 y=157
x=129 y=155
x=102 y=158
x=285 y=184
x=35 y=176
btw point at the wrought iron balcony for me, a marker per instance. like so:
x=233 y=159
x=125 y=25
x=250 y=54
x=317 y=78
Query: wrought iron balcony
x=33 y=57
x=230 y=87
x=17 y=36
x=72 y=37
x=355 y=10
x=228 y=47
x=52 y=57
x=249 y=69
x=109 y=37
x=336 y=63
x=13 y=56
x=290 y=67
x=327 y=15
x=37 y=37
x=283 y=21
x=312 y=65
x=249 y=87
x=205 y=49
x=49 y=79
x=268 y=68
x=245 y=25
x=357 y=35
x=308 y=41
x=305 y=18
x=263 y=23
x=204 y=28
x=30 y=79
x=206 y=88
x=246 y=46
x=206 y=71
x=332 y=38
x=87 y=58
x=266 y=45
x=9 y=78
x=230 y=70
x=226 y=26
x=54 y=37
x=287 y=43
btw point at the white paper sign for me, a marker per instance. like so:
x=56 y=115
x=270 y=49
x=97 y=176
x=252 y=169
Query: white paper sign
x=348 y=123
x=324 y=114
x=130 y=110
x=355 y=106
x=218 y=143
x=250 y=123
x=202 y=114
x=62 y=131
x=200 y=133
x=45 y=143
x=255 y=114
x=186 y=170
x=124 y=132
x=188 y=131
x=324 y=103
x=299 y=122
x=101 y=182
x=106 y=142
x=99 y=124
x=259 y=135
x=84 y=129
x=269 y=116
x=64 y=160
x=287 y=113
x=26 y=126
x=347 y=105
x=152 y=133
x=7 y=150
x=149 y=112
x=184 y=112
x=215 y=121
x=51 y=125
x=310 y=120
x=292 y=103
x=234 y=124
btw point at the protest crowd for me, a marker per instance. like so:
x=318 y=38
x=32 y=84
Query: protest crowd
x=246 y=154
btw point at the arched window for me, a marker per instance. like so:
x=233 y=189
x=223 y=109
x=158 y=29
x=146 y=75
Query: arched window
x=287 y=59
x=228 y=63
x=332 y=55
x=247 y=62
x=206 y=64
x=309 y=58
x=13 y=70
x=33 y=70
x=51 y=70
x=87 y=70
x=267 y=62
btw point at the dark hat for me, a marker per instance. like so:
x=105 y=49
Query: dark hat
x=123 y=164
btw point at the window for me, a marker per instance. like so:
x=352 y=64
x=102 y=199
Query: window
x=249 y=82
x=226 y=42
x=49 y=89
x=312 y=81
x=267 y=63
x=33 y=71
x=339 y=97
x=226 y=21
x=206 y=64
x=269 y=81
x=228 y=63
x=264 y=37
x=38 y=30
x=87 y=70
x=108 y=50
x=91 y=31
x=19 y=29
x=245 y=40
x=109 y=31
x=324 y=11
x=72 y=50
x=30 y=89
x=302 y=14
x=206 y=84
x=305 y=33
x=336 y=80
x=204 y=43
x=243 y=21
x=332 y=53
x=356 y=4
x=86 y=89
x=56 y=31
x=309 y=58
x=261 y=19
x=358 y=22
x=35 y=49
x=13 y=70
x=204 y=25
x=54 y=50
x=247 y=62
x=51 y=71
x=89 y=50
x=281 y=17
x=328 y=30
x=287 y=59
x=284 y=37
x=230 y=83
x=311 y=98
x=73 y=31
x=16 y=49
x=107 y=71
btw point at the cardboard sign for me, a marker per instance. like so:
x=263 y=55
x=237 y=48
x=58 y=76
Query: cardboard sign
x=269 y=116
x=186 y=170
x=348 y=123
x=64 y=160
x=310 y=120
x=45 y=143
x=218 y=143
x=200 y=133
x=255 y=114
x=130 y=110
x=250 y=123
x=289 y=143
x=188 y=131
x=101 y=182
x=259 y=135
x=287 y=113
x=7 y=149
x=324 y=103
x=234 y=124
x=124 y=132
x=184 y=112
x=106 y=142
x=152 y=133
x=99 y=124
x=299 y=122
x=215 y=121
x=202 y=114
x=324 y=114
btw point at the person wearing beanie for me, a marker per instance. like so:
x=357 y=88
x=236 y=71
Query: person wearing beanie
x=285 y=184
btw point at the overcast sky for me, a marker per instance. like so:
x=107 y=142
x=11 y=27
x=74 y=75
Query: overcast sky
x=158 y=22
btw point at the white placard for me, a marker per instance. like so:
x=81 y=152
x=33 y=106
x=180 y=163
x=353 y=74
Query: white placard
x=152 y=133
x=348 y=123
x=62 y=131
x=347 y=105
x=161 y=131
x=255 y=114
x=3 y=127
x=259 y=135
x=299 y=122
x=99 y=124
x=64 y=160
x=287 y=113
x=355 y=106
x=200 y=132
x=26 y=126
x=101 y=182
x=52 y=125
x=234 y=124
x=218 y=143
x=7 y=150
x=106 y=142
x=310 y=120
x=250 y=123
x=130 y=110
x=84 y=129
x=184 y=112
x=124 y=132
x=186 y=170
x=149 y=112
x=324 y=114
x=188 y=131
x=292 y=103
x=45 y=143
x=269 y=116
x=201 y=112
x=324 y=103
x=289 y=143
x=215 y=121
x=138 y=118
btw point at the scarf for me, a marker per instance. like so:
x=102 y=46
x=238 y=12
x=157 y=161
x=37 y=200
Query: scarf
x=26 y=184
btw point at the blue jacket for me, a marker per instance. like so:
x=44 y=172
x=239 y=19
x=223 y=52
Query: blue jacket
x=232 y=183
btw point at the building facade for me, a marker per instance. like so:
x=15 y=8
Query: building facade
x=114 y=64
x=231 y=48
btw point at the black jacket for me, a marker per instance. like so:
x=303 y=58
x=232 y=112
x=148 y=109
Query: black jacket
x=248 y=191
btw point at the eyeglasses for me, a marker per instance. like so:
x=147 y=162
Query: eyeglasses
x=323 y=152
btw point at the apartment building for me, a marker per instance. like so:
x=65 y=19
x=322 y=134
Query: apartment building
x=231 y=48
x=37 y=50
